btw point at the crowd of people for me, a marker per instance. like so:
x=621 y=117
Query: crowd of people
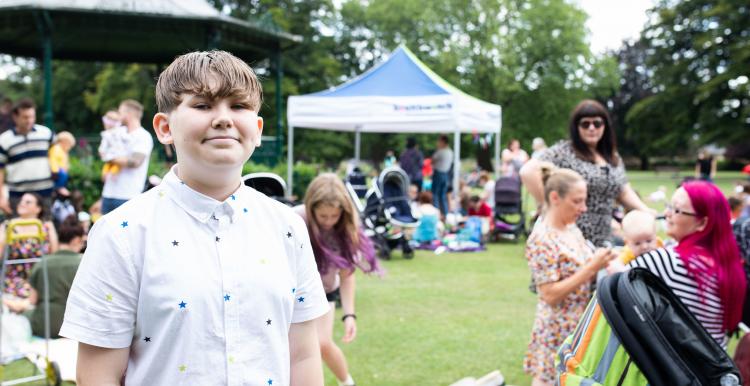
x=166 y=291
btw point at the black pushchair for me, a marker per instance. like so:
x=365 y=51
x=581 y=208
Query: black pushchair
x=646 y=336
x=387 y=213
x=269 y=184
x=510 y=221
x=356 y=185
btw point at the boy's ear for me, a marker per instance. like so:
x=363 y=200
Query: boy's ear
x=162 y=129
x=260 y=131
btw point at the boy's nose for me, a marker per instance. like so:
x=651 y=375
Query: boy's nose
x=222 y=122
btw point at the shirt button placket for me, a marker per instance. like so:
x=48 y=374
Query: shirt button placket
x=226 y=259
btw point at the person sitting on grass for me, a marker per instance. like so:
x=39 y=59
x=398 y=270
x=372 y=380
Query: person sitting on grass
x=30 y=207
x=200 y=280
x=61 y=270
x=430 y=227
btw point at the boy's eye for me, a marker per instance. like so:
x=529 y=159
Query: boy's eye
x=201 y=106
x=240 y=106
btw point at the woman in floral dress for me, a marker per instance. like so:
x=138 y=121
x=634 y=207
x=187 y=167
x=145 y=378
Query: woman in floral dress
x=16 y=275
x=563 y=265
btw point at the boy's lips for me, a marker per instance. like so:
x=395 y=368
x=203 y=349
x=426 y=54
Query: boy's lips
x=220 y=137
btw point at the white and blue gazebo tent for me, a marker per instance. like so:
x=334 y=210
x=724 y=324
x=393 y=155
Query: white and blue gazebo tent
x=399 y=95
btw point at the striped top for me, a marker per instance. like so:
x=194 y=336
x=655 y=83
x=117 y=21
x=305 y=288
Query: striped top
x=24 y=158
x=704 y=303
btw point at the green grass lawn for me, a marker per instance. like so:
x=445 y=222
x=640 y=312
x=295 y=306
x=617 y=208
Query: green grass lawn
x=438 y=318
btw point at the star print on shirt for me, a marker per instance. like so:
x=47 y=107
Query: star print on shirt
x=270 y=381
x=226 y=297
x=175 y=243
x=244 y=210
x=182 y=368
x=124 y=224
x=294 y=290
x=147 y=339
x=288 y=234
x=161 y=194
x=217 y=239
x=233 y=197
x=109 y=297
x=268 y=322
x=183 y=304
x=301 y=299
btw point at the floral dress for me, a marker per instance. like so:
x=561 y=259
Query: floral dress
x=16 y=275
x=604 y=184
x=552 y=256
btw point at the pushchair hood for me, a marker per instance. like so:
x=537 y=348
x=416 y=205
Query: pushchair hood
x=666 y=342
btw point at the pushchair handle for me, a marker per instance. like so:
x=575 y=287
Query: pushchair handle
x=36 y=231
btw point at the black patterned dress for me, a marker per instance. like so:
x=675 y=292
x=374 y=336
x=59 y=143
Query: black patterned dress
x=604 y=184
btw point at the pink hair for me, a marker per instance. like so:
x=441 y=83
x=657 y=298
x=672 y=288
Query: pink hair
x=716 y=242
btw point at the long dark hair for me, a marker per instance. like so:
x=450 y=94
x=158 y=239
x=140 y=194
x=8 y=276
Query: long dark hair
x=607 y=146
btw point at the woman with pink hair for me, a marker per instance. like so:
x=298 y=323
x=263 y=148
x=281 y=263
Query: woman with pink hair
x=704 y=269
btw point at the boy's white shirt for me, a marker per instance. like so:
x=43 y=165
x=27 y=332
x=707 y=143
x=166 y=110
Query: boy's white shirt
x=194 y=310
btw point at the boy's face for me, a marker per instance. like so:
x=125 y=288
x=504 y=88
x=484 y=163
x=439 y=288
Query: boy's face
x=211 y=133
x=641 y=242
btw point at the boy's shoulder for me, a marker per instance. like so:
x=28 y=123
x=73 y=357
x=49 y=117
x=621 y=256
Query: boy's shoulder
x=271 y=206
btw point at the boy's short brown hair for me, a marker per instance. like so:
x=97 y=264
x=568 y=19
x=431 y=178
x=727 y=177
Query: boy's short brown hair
x=192 y=73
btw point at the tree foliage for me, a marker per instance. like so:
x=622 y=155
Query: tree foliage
x=698 y=56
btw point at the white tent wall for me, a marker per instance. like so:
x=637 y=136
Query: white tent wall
x=357 y=145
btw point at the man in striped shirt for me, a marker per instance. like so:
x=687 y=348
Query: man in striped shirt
x=24 y=165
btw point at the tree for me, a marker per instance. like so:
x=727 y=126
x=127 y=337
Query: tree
x=530 y=57
x=701 y=63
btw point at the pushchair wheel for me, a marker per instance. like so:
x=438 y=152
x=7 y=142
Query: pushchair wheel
x=53 y=374
x=384 y=252
x=408 y=251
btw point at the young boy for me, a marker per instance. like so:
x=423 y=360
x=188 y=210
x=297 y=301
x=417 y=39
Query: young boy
x=59 y=162
x=639 y=231
x=200 y=280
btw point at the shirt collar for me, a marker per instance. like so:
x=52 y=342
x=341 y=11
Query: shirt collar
x=33 y=128
x=197 y=204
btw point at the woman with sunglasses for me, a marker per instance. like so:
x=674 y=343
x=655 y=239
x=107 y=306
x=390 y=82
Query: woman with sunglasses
x=704 y=269
x=592 y=152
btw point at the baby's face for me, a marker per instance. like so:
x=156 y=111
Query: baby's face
x=641 y=242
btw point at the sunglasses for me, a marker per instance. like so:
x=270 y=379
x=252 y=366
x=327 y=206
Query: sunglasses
x=586 y=123
x=674 y=210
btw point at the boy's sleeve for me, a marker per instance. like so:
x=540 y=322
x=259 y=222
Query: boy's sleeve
x=310 y=299
x=102 y=303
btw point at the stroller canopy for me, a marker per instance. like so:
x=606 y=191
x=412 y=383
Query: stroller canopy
x=267 y=183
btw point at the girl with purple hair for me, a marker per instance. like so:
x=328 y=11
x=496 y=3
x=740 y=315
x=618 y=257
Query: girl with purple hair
x=340 y=247
x=704 y=269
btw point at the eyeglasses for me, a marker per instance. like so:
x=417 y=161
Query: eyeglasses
x=674 y=210
x=586 y=123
